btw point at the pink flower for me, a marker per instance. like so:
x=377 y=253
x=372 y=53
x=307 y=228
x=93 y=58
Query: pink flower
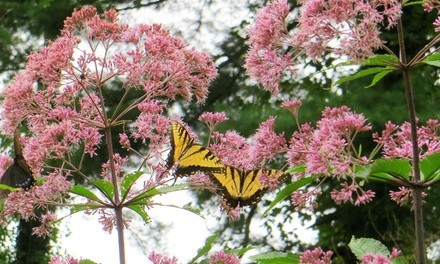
x=212 y=119
x=396 y=140
x=401 y=197
x=201 y=180
x=46 y=221
x=292 y=106
x=118 y=167
x=316 y=256
x=158 y=258
x=60 y=260
x=346 y=194
x=124 y=141
x=305 y=199
x=266 y=143
x=375 y=259
x=223 y=258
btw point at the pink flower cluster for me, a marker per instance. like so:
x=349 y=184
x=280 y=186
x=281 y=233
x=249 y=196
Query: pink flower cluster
x=234 y=150
x=316 y=256
x=380 y=259
x=223 y=258
x=343 y=27
x=328 y=150
x=158 y=258
x=396 y=140
x=59 y=97
x=60 y=260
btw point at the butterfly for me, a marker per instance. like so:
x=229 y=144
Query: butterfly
x=18 y=174
x=188 y=157
x=241 y=188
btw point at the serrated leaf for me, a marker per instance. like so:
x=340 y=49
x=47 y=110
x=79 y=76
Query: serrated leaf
x=84 y=192
x=430 y=167
x=141 y=212
x=206 y=248
x=275 y=258
x=360 y=74
x=129 y=180
x=381 y=60
x=378 y=77
x=105 y=187
x=286 y=191
x=362 y=246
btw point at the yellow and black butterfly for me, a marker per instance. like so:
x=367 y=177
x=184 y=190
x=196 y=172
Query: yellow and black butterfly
x=18 y=174
x=188 y=157
x=242 y=187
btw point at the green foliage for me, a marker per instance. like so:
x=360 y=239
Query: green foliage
x=362 y=246
x=206 y=248
x=275 y=258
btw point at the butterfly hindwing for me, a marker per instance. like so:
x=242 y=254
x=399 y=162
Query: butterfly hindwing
x=242 y=187
x=18 y=175
x=189 y=157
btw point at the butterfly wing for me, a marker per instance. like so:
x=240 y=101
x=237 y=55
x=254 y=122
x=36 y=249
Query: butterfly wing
x=242 y=187
x=180 y=142
x=18 y=175
x=188 y=156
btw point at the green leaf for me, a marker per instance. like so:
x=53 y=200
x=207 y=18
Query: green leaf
x=206 y=248
x=360 y=74
x=286 y=191
x=362 y=246
x=400 y=260
x=8 y=188
x=84 y=192
x=433 y=60
x=381 y=60
x=275 y=258
x=105 y=187
x=430 y=167
x=296 y=169
x=378 y=77
x=139 y=209
x=82 y=207
x=86 y=261
x=129 y=180
x=387 y=170
x=162 y=190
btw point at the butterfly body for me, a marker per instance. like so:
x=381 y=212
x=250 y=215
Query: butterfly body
x=188 y=157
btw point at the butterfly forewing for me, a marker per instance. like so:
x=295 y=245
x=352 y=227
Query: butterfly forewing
x=188 y=157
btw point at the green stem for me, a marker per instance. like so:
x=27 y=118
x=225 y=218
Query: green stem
x=417 y=192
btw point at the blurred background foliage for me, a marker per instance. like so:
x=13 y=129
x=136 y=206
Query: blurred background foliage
x=27 y=25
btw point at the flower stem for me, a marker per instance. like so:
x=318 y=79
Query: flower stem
x=417 y=192
x=117 y=201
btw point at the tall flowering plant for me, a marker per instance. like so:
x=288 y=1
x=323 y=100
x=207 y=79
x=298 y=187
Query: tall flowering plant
x=350 y=29
x=61 y=102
